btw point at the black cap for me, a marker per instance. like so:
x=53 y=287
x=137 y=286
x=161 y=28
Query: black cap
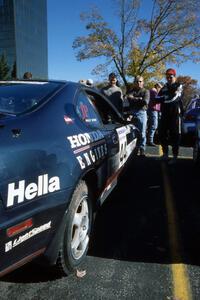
x=111 y=75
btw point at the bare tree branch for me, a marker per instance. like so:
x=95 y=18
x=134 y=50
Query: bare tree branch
x=143 y=46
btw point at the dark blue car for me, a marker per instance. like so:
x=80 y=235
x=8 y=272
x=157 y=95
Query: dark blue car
x=189 y=124
x=63 y=146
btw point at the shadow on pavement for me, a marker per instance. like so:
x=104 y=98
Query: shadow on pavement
x=132 y=225
x=31 y=273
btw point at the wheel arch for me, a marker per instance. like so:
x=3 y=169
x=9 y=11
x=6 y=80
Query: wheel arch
x=52 y=250
x=91 y=180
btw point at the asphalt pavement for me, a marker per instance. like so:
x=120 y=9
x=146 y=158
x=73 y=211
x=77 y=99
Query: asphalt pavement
x=145 y=243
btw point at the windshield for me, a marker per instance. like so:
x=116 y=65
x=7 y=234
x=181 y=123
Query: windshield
x=194 y=104
x=197 y=103
x=16 y=98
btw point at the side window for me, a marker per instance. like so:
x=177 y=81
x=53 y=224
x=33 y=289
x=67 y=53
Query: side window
x=105 y=110
x=191 y=105
x=86 y=111
x=198 y=103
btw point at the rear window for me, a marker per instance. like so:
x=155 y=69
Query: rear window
x=198 y=103
x=194 y=104
x=16 y=98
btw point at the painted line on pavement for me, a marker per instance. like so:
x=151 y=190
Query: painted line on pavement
x=181 y=285
x=160 y=150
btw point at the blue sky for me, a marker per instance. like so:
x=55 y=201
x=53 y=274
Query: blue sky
x=64 y=25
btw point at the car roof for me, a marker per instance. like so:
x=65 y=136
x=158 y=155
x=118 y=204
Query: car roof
x=31 y=81
x=43 y=81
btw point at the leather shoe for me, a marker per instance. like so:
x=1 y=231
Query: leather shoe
x=164 y=157
x=142 y=153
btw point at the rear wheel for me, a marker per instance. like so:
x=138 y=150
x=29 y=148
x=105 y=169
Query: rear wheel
x=76 y=232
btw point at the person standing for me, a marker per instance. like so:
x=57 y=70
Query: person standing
x=27 y=75
x=138 y=99
x=113 y=92
x=170 y=97
x=153 y=114
x=87 y=82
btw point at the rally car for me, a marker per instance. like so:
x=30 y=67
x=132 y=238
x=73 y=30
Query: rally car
x=63 y=146
x=189 y=123
x=191 y=127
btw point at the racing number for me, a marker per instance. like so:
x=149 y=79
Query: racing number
x=122 y=145
x=122 y=153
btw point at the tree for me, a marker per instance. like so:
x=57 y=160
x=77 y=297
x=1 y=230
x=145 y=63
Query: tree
x=172 y=35
x=190 y=88
x=142 y=46
x=4 y=69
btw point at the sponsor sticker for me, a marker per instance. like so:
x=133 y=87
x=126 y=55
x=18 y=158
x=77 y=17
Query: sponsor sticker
x=88 y=147
x=19 y=192
x=68 y=120
x=122 y=145
x=22 y=238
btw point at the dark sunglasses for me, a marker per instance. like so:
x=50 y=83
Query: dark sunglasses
x=169 y=76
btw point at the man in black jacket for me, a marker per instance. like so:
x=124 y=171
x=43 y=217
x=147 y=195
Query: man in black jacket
x=170 y=97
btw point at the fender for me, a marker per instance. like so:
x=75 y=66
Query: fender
x=52 y=251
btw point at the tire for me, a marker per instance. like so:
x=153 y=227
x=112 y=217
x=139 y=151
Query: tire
x=76 y=231
x=196 y=153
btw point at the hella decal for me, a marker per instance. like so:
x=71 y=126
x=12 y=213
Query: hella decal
x=22 y=238
x=19 y=192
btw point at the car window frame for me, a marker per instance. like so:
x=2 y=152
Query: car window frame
x=118 y=118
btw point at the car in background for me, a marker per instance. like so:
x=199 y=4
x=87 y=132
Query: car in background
x=63 y=146
x=189 y=122
x=196 y=147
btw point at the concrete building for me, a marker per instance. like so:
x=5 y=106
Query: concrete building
x=23 y=36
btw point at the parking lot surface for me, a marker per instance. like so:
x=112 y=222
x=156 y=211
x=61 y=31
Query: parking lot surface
x=145 y=244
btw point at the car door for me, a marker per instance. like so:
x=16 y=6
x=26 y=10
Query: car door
x=120 y=138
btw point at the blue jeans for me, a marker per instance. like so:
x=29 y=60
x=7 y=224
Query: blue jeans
x=152 y=124
x=140 y=121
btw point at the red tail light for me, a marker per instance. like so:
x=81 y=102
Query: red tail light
x=19 y=227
